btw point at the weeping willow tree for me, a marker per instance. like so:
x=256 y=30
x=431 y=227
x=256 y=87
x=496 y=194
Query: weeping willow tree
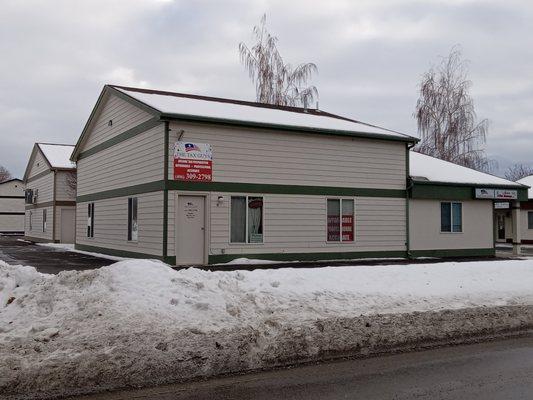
x=446 y=116
x=275 y=81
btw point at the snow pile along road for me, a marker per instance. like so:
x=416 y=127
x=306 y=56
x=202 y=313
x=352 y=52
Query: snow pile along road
x=140 y=322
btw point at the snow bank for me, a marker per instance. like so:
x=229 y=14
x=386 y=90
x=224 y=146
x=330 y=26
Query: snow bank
x=139 y=321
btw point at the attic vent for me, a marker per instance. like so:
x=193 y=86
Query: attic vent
x=110 y=123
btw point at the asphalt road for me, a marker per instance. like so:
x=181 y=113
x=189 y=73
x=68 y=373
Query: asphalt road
x=488 y=371
x=14 y=251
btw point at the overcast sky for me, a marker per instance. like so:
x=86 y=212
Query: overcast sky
x=56 y=56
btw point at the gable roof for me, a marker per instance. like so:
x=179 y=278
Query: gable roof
x=11 y=180
x=57 y=157
x=528 y=181
x=171 y=105
x=424 y=168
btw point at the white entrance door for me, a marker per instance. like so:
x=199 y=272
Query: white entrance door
x=68 y=217
x=190 y=235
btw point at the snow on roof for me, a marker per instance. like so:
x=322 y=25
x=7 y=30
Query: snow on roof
x=242 y=111
x=58 y=155
x=426 y=168
x=528 y=181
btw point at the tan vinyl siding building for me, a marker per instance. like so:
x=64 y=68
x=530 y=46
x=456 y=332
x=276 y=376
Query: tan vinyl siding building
x=50 y=194
x=12 y=207
x=448 y=213
x=274 y=178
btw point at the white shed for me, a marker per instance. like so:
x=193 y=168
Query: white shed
x=12 y=207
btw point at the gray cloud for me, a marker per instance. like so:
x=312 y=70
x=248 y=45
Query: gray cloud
x=56 y=56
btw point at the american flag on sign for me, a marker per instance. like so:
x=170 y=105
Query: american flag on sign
x=191 y=147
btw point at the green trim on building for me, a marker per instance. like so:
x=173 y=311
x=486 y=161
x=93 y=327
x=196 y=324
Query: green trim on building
x=329 y=256
x=12 y=197
x=240 y=188
x=39 y=205
x=39 y=175
x=456 y=191
x=122 y=192
x=40 y=240
x=11 y=213
x=65 y=203
x=134 y=101
x=165 y=191
x=57 y=203
x=130 y=133
x=487 y=252
x=114 y=252
x=284 y=189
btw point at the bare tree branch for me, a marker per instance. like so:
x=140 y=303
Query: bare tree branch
x=276 y=82
x=5 y=175
x=446 y=117
x=72 y=183
x=518 y=171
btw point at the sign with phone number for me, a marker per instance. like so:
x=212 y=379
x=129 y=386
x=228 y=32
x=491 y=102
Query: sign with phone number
x=193 y=162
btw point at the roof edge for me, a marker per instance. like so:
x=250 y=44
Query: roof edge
x=266 y=125
x=481 y=185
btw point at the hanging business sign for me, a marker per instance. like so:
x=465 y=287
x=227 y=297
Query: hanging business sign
x=506 y=194
x=498 y=194
x=193 y=162
x=485 y=193
x=501 y=205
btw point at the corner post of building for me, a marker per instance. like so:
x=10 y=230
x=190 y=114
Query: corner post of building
x=517 y=236
x=165 y=191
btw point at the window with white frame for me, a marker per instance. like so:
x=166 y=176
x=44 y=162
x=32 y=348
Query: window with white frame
x=451 y=217
x=133 y=227
x=340 y=220
x=90 y=220
x=44 y=220
x=246 y=217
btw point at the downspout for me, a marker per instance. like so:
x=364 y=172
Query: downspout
x=408 y=187
x=54 y=211
x=165 y=193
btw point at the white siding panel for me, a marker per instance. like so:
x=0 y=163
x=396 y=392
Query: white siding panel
x=297 y=224
x=132 y=162
x=39 y=164
x=277 y=157
x=124 y=116
x=11 y=223
x=37 y=223
x=424 y=229
x=111 y=224
x=45 y=187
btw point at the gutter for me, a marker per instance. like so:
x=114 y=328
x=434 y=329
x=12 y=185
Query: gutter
x=408 y=187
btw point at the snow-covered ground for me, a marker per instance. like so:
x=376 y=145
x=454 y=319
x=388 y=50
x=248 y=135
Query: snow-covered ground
x=75 y=321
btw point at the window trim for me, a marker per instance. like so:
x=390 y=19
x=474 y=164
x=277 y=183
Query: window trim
x=451 y=202
x=341 y=242
x=44 y=220
x=528 y=213
x=90 y=214
x=130 y=220
x=246 y=242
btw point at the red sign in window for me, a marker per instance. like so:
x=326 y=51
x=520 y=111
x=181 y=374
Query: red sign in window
x=347 y=228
